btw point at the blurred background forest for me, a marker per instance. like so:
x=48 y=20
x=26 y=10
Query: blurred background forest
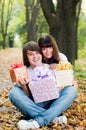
x=22 y=21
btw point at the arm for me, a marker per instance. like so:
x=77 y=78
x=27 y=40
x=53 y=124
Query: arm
x=63 y=57
x=24 y=85
x=26 y=89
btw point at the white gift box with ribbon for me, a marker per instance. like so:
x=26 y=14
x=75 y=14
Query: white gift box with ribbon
x=64 y=77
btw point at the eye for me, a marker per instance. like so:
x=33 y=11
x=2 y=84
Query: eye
x=29 y=53
x=37 y=52
x=43 y=48
x=50 y=47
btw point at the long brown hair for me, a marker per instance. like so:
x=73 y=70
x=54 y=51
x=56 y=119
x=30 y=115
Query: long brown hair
x=32 y=46
x=47 y=40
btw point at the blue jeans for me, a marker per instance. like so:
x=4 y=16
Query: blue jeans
x=43 y=112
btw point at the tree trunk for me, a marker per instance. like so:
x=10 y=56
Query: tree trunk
x=67 y=35
x=76 y=28
x=31 y=17
x=3 y=43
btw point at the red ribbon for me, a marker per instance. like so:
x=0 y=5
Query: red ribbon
x=16 y=65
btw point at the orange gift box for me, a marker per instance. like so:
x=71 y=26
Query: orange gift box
x=17 y=71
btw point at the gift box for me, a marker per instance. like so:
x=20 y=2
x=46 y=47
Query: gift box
x=43 y=90
x=17 y=71
x=64 y=77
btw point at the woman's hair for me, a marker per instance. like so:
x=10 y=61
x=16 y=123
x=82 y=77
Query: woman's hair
x=48 y=41
x=31 y=46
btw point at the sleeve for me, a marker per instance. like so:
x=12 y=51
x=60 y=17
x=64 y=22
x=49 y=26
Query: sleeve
x=63 y=57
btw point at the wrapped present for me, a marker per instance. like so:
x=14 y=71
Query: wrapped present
x=43 y=90
x=64 y=74
x=17 y=71
x=64 y=77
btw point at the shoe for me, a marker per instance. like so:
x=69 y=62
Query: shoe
x=27 y=125
x=61 y=120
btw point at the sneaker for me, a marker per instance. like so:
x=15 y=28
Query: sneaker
x=27 y=125
x=61 y=120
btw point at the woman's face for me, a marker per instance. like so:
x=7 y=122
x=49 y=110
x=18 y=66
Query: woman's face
x=47 y=52
x=34 y=58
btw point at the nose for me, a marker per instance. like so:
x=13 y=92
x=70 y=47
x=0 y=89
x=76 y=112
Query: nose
x=47 y=50
x=35 y=55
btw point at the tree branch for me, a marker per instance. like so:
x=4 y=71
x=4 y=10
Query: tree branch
x=48 y=10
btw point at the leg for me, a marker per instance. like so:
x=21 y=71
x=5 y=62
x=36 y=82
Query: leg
x=59 y=105
x=26 y=105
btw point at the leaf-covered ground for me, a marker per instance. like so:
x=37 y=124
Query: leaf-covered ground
x=9 y=115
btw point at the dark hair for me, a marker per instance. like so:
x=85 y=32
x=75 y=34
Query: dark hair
x=48 y=41
x=45 y=41
x=32 y=46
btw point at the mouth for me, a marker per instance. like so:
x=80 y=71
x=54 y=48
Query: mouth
x=48 y=56
x=36 y=60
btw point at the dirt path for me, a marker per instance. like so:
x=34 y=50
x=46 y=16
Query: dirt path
x=7 y=57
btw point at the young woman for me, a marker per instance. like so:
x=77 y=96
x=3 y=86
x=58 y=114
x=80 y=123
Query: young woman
x=50 y=51
x=40 y=114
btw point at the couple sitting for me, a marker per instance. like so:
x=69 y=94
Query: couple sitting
x=41 y=114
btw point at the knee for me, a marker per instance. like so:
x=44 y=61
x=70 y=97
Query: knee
x=13 y=94
x=72 y=91
x=69 y=91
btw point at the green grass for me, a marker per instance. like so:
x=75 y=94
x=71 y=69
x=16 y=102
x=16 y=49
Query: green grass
x=79 y=70
x=82 y=53
x=80 y=64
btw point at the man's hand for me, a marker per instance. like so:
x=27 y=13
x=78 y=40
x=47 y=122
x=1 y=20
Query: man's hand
x=24 y=85
x=23 y=82
x=75 y=84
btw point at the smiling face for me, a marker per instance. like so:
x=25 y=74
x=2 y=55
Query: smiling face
x=47 y=52
x=49 y=49
x=34 y=58
x=46 y=44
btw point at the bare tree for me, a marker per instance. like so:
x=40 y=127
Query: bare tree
x=62 y=23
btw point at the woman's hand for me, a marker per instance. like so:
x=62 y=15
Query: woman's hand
x=75 y=84
x=53 y=66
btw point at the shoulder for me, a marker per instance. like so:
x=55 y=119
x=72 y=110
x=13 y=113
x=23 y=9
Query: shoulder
x=46 y=65
x=29 y=68
x=62 y=57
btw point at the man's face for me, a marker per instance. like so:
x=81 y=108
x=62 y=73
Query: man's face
x=34 y=58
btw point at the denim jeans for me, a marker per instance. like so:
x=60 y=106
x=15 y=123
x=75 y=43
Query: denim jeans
x=43 y=112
